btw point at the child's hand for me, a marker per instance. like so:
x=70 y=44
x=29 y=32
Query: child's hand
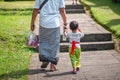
x=79 y=29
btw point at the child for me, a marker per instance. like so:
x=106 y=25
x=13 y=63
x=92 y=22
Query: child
x=75 y=2
x=74 y=49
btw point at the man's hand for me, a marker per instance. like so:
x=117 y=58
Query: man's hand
x=34 y=14
x=65 y=30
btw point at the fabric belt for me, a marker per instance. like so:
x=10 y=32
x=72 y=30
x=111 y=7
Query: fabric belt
x=73 y=47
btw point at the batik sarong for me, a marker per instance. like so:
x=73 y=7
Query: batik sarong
x=49 y=44
x=75 y=57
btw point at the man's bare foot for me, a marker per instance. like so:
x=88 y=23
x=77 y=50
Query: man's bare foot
x=44 y=64
x=52 y=67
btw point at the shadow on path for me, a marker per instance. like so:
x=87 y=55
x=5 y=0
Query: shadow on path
x=47 y=73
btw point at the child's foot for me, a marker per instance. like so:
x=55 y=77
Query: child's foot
x=52 y=67
x=74 y=72
x=77 y=69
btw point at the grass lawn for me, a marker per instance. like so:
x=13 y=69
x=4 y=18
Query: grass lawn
x=14 y=55
x=16 y=5
x=106 y=13
x=16 y=8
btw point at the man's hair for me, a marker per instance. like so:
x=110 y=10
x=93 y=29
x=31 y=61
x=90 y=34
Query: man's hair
x=73 y=25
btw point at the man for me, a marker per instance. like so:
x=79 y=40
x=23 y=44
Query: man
x=49 y=33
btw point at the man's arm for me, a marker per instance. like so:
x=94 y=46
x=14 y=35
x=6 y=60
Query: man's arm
x=34 y=14
x=64 y=18
x=63 y=14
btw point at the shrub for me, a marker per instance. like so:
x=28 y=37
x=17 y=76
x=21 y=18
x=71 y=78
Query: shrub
x=1 y=0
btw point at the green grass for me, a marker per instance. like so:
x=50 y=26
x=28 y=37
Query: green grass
x=106 y=13
x=16 y=8
x=16 y=5
x=14 y=54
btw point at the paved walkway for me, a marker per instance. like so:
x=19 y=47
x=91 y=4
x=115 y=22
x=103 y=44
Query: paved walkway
x=87 y=25
x=96 y=65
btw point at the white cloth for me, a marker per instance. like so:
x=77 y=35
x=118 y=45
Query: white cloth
x=49 y=14
x=75 y=37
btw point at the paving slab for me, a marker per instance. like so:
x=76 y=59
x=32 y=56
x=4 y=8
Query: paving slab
x=98 y=58
x=96 y=65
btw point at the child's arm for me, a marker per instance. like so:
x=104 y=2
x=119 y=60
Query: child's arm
x=81 y=33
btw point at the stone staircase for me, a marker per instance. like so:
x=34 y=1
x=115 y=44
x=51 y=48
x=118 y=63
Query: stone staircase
x=96 y=38
x=71 y=9
x=91 y=42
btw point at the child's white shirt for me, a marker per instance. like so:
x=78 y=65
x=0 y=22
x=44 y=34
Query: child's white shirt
x=74 y=37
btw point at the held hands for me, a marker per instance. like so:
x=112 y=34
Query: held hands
x=65 y=31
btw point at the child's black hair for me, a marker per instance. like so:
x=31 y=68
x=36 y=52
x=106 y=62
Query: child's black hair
x=73 y=25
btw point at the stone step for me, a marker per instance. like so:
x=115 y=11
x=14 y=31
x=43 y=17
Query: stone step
x=75 y=8
x=97 y=37
x=80 y=6
x=91 y=46
x=70 y=11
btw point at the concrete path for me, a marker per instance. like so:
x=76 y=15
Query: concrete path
x=87 y=25
x=96 y=65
